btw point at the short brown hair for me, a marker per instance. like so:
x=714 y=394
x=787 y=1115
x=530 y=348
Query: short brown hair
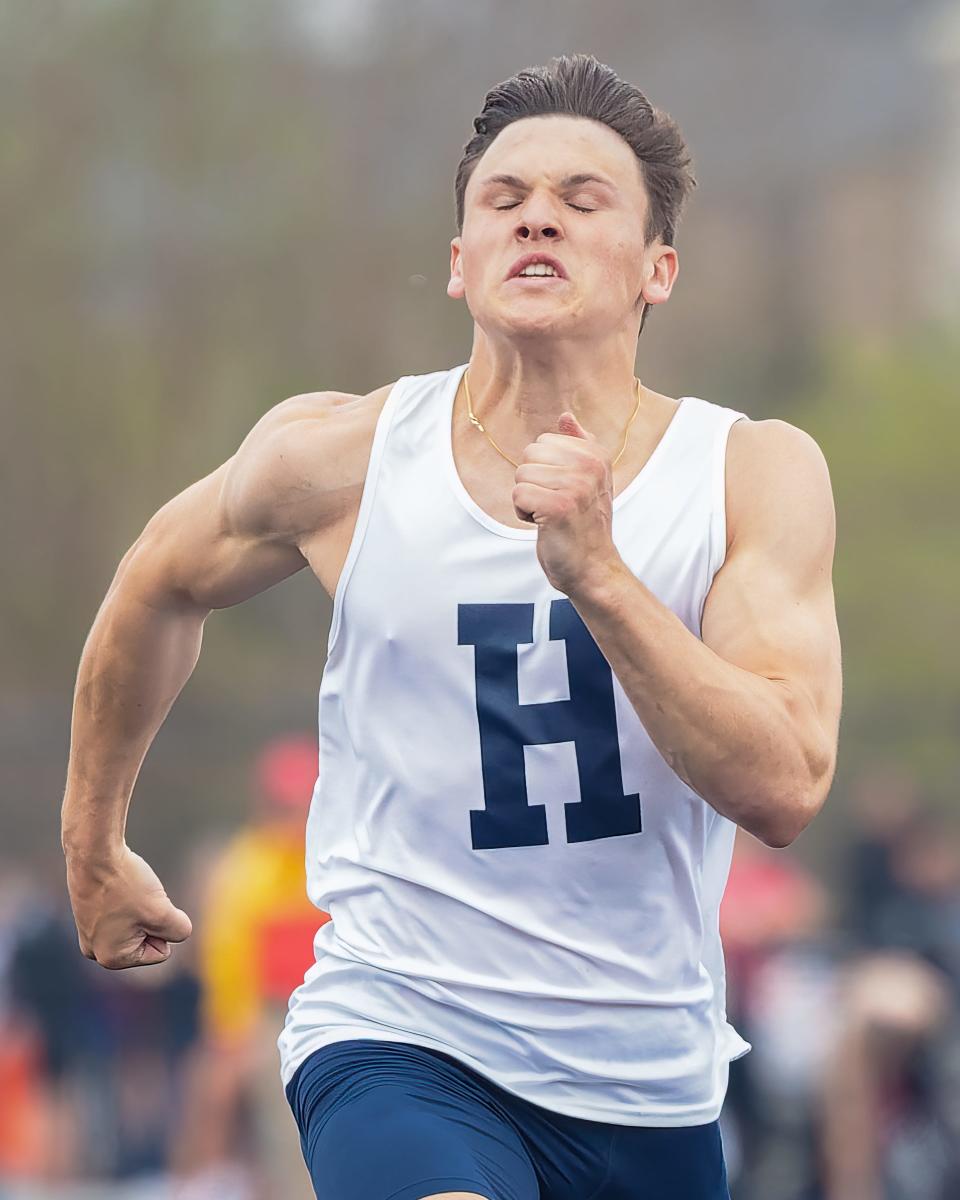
x=578 y=85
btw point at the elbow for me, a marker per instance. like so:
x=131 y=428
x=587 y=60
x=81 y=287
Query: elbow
x=780 y=837
x=800 y=787
x=786 y=828
x=777 y=819
x=794 y=810
x=801 y=815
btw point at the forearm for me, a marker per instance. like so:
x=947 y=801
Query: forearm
x=744 y=743
x=136 y=660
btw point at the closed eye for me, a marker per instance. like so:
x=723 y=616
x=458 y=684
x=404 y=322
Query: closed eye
x=504 y=207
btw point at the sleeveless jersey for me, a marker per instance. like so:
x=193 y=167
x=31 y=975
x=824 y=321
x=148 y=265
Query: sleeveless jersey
x=514 y=875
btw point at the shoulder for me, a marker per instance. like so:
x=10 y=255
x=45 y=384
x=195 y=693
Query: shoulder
x=776 y=474
x=323 y=418
x=295 y=465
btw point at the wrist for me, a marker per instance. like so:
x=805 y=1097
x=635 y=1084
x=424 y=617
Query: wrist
x=84 y=851
x=601 y=581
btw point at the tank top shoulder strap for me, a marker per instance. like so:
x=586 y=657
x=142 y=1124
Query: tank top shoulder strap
x=715 y=422
x=385 y=421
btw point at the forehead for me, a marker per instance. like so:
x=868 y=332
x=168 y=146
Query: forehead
x=551 y=147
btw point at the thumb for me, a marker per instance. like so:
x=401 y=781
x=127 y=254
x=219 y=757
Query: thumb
x=173 y=925
x=569 y=425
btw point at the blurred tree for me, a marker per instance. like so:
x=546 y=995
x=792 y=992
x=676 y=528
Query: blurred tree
x=888 y=421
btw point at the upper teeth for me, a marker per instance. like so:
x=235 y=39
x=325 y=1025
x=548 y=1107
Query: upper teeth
x=538 y=269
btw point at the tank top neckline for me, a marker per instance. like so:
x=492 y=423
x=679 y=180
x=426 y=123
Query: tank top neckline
x=452 y=384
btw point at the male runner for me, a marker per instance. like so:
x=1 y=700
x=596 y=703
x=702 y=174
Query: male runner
x=581 y=632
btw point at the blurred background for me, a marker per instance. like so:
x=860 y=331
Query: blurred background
x=206 y=207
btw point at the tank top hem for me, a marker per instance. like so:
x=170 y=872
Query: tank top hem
x=701 y=1115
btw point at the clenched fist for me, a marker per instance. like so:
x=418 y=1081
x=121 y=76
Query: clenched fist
x=565 y=486
x=124 y=917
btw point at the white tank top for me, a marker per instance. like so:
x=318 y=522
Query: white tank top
x=513 y=873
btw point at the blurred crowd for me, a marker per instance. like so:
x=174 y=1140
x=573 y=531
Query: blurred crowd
x=164 y=1082
x=849 y=996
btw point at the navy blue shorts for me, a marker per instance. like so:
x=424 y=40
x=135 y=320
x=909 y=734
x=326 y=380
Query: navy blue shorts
x=391 y=1121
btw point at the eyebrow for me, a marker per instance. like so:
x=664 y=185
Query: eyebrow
x=568 y=181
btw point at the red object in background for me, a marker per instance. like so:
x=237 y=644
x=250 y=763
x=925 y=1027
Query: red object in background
x=286 y=771
x=286 y=951
x=770 y=901
x=23 y=1131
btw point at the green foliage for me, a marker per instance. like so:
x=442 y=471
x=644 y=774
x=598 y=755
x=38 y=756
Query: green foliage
x=888 y=421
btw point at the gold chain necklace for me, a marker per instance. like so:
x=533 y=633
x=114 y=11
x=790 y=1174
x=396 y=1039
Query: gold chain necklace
x=474 y=420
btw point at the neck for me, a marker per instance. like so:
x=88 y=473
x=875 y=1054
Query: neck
x=521 y=390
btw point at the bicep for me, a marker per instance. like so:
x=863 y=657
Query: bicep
x=192 y=555
x=771 y=607
x=239 y=531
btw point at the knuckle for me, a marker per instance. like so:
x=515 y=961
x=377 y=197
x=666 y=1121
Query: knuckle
x=527 y=499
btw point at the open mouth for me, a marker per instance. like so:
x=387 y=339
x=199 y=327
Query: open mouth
x=537 y=266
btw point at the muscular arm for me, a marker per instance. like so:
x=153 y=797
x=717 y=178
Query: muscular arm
x=226 y=538
x=748 y=717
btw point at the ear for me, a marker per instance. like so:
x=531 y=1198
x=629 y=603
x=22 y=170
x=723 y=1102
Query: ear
x=660 y=274
x=455 y=288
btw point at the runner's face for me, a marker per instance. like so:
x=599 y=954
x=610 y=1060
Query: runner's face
x=572 y=189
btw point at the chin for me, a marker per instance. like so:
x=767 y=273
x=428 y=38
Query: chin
x=542 y=324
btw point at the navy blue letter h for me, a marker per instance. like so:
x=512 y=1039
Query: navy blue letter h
x=588 y=719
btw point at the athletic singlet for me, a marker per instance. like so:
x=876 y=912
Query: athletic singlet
x=513 y=874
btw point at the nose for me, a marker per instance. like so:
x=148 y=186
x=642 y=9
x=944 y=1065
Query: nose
x=537 y=218
x=528 y=231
